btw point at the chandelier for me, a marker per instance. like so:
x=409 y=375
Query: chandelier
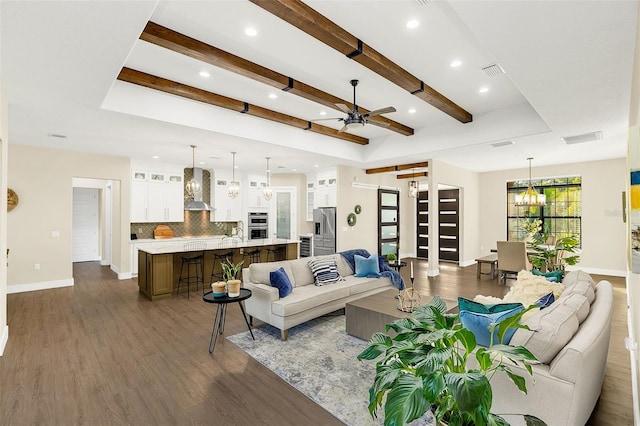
x=193 y=188
x=413 y=187
x=234 y=187
x=267 y=191
x=530 y=197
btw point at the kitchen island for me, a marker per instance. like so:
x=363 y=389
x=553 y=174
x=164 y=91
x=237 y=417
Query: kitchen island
x=159 y=264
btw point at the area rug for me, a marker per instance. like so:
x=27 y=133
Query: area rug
x=320 y=360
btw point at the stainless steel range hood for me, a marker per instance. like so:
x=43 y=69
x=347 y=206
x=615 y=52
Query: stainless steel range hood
x=196 y=204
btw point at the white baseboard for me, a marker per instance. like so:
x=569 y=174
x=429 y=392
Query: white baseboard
x=125 y=276
x=465 y=263
x=4 y=339
x=103 y=262
x=45 y=285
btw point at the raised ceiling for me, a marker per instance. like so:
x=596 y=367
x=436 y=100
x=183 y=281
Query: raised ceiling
x=567 y=71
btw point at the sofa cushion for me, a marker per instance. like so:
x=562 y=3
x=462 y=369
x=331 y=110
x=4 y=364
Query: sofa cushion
x=550 y=330
x=553 y=276
x=578 y=302
x=280 y=280
x=308 y=297
x=367 y=266
x=324 y=270
x=344 y=268
x=580 y=287
x=260 y=272
x=302 y=271
x=357 y=285
x=575 y=276
x=478 y=323
x=481 y=308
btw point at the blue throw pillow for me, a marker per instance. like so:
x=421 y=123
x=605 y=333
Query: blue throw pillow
x=545 y=301
x=478 y=324
x=552 y=277
x=281 y=281
x=473 y=306
x=367 y=266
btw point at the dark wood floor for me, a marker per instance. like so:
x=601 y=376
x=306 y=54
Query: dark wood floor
x=99 y=353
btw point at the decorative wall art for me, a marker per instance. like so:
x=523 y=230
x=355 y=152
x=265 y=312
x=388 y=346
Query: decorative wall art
x=12 y=199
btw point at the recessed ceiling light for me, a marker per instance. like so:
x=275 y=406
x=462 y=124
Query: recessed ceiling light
x=204 y=74
x=412 y=110
x=483 y=90
x=251 y=32
x=294 y=170
x=413 y=23
x=272 y=96
x=316 y=165
x=455 y=64
x=202 y=162
x=155 y=157
x=323 y=112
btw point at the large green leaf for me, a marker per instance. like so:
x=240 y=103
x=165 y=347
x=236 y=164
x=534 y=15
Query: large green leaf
x=494 y=420
x=470 y=390
x=467 y=338
x=433 y=384
x=378 y=344
x=533 y=421
x=405 y=402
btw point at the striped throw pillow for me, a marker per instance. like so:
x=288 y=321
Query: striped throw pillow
x=324 y=270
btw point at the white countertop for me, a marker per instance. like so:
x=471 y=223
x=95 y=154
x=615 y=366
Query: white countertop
x=176 y=245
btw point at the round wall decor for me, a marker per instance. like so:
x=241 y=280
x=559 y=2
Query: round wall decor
x=357 y=209
x=351 y=219
x=12 y=199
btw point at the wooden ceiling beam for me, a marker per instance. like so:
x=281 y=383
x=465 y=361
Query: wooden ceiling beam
x=180 y=43
x=178 y=89
x=397 y=168
x=412 y=175
x=298 y=14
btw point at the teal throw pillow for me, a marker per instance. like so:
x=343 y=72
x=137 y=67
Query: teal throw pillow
x=473 y=306
x=281 y=281
x=478 y=324
x=552 y=277
x=367 y=266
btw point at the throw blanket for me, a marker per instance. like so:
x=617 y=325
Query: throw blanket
x=385 y=271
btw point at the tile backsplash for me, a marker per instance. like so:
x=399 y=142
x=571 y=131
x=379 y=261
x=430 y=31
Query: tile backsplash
x=196 y=224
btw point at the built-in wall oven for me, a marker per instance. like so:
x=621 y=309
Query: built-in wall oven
x=258 y=225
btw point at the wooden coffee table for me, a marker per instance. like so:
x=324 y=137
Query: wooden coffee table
x=372 y=313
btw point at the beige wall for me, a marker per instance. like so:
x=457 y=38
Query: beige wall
x=603 y=232
x=4 y=136
x=43 y=180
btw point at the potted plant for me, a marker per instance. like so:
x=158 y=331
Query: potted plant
x=391 y=257
x=229 y=274
x=531 y=227
x=553 y=257
x=433 y=364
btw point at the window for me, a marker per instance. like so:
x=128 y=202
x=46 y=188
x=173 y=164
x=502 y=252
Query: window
x=561 y=216
x=389 y=222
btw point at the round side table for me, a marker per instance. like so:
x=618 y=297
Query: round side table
x=221 y=313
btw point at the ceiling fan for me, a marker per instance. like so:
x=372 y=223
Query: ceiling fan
x=356 y=119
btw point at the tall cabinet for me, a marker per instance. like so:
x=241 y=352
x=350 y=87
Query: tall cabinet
x=157 y=196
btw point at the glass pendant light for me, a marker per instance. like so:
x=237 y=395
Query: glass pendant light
x=267 y=191
x=234 y=187
x=193 y=187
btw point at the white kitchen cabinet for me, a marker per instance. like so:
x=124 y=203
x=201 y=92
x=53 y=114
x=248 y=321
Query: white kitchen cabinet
x=255 y=185
x=226 y=209
x=157 y=197
x=311 y=198
x=326 y=190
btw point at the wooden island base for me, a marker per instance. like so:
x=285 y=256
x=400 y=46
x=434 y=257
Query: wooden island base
x=159 y=269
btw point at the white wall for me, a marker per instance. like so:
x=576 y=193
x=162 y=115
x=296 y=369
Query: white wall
x=603 y=232
x=4 y=143
x=43 y=179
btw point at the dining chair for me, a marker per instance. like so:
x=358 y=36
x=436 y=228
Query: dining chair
x=512 y=258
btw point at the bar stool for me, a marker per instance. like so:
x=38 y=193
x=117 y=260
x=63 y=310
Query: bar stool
x=193 y=256
x=253 y=255
x=219 y=259
x=277 y=253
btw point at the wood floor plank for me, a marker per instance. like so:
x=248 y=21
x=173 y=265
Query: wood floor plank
x=100 y=353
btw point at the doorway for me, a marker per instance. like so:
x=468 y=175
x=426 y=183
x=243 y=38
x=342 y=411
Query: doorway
x=449 y=224
x=86 y=225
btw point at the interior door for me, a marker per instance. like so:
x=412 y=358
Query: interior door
x=449 y=218
x=389 y=222
x=86 y=225
x=283 y=215
x=422 y=220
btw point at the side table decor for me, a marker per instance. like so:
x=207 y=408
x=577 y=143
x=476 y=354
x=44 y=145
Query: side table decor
x=409 y=298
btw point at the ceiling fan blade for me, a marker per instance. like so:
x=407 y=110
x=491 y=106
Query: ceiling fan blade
x=343 y=108
x=380 y=111
x=378 y=123
x=325 y=119
x=343 y=128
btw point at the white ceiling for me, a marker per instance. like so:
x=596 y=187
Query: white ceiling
x=568 y=71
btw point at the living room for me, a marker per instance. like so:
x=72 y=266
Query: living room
x=453 y=153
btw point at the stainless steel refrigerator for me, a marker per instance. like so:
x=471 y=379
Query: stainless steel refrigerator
x=324 y=231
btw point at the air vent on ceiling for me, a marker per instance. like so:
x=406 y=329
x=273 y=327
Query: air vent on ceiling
x=503 y=143
x=56 y=135
x=493 y=70
x=423 y=2
x=585 y=137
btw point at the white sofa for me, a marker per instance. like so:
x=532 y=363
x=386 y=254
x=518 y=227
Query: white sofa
x=306 y=301
x=571 y=339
